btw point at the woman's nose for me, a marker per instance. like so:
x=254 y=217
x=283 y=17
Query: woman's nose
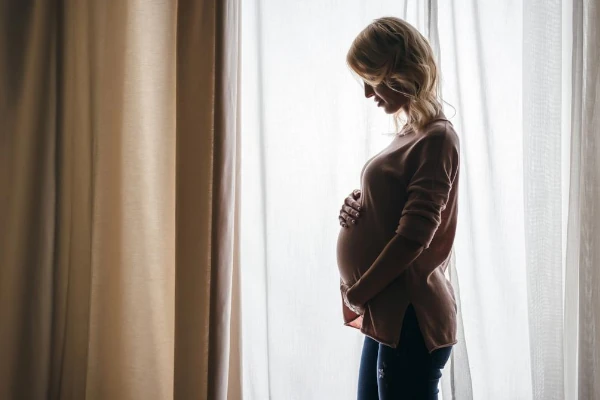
x=368 y=91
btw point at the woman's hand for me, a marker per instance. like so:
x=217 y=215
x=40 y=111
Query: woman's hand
x=350 y=210
x=350 y=302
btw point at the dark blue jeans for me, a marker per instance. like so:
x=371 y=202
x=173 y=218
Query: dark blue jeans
x=408 y=372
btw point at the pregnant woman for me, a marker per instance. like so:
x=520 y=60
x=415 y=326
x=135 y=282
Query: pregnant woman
x=398 y=231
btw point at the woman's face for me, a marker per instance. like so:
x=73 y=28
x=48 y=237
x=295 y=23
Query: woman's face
x=389 y=99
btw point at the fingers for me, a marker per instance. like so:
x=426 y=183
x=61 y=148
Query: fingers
x=345 y=298
x=353 y=203
x=349 y=219
x=355 y=309
x=345 y=219
x=350 y=211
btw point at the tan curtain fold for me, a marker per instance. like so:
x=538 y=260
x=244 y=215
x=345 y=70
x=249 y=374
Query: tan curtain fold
x=131 y=336
x=207 y=281
x=74 y=204
x=27 y=195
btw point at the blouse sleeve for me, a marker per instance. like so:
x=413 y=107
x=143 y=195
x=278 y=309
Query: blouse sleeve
x=436 y=166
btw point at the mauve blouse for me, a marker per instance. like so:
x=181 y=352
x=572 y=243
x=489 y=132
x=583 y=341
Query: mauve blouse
x=409 y=188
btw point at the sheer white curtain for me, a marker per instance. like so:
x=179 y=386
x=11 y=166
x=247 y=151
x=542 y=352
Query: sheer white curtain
x=307 y=130
x=502 y=64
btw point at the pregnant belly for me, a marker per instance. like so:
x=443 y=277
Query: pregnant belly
x=357 y=248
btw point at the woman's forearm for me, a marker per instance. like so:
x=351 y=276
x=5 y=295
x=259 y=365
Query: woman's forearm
x=396 y=257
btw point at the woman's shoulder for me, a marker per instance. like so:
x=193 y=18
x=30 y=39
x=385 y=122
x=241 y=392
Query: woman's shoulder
x=439 y=130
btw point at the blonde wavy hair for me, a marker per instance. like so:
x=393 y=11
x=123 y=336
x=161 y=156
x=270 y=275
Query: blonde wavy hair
x=393 y=52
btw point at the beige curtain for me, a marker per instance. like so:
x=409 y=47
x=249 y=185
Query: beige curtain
x=118 y=197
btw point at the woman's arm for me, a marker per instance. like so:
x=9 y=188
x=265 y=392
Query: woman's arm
x=428 y=192
x=398 y=254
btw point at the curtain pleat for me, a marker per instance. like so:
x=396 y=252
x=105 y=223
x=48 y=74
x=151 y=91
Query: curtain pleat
x=131 y=336
x=583 y=242
x=28 y=134
x=542 y=193
x=207 y=364
x=196 y=25
x=74 y=203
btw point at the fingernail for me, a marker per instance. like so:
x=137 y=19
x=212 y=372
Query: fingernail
x=359 y=209
x=353 y=221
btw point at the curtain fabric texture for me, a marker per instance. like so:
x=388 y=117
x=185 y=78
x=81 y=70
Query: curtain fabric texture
x=118 y=247
x=521 y=81
x=582 y=316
